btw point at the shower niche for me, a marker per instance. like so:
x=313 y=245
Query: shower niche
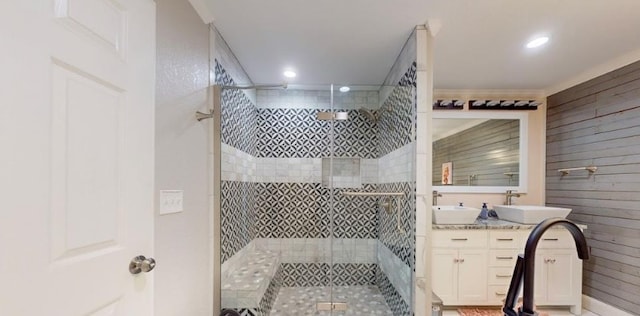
x=341 y=173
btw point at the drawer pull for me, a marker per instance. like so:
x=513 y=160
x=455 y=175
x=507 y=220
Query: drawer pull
x=549 y=260
x=504 y=258
x=459 y=239
x=501 y=294
x=550 y=239
x=503 y=275
x=504 y=239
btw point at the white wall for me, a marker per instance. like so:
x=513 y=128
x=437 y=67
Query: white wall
x=183 y=284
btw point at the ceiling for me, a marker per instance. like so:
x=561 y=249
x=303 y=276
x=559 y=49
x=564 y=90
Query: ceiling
x=480 y=44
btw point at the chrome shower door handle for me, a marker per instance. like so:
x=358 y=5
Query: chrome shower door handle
x=141 y=264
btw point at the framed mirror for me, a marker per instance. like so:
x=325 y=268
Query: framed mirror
x=479 y=152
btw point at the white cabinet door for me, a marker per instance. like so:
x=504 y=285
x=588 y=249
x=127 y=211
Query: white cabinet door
x=76 y=129
x=445 y=274
x=561 y=287
x=541 y=277
x=472 y=276
x=556 y=277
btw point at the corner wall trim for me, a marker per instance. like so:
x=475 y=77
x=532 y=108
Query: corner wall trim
x=593 y=305
x=203 y=10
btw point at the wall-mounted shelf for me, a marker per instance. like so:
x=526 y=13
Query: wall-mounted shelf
x=503 y=104
x=566 y=171
x=448 y=104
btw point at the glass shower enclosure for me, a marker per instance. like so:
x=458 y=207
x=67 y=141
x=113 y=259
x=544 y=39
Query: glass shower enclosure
x=315 y=198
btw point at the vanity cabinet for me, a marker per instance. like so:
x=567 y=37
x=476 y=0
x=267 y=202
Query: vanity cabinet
x=558 y=271
x=504 y=247
x=475 y=266
x=459 y=257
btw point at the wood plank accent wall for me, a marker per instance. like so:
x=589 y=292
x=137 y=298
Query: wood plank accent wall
x=487 y=150
x=598 y=123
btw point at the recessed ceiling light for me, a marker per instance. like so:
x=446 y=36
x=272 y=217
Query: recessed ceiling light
x=289 y=73
x=344 y=89
x=538 y=42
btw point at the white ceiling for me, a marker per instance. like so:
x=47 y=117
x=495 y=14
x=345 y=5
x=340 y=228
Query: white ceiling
x=480 y=44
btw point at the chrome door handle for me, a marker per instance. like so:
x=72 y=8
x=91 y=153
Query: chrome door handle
x=141 y=264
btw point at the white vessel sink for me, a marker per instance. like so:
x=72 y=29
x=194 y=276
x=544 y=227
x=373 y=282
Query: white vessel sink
x=529 y=214
x=451 y=214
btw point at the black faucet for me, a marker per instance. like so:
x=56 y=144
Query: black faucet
x=525 y=266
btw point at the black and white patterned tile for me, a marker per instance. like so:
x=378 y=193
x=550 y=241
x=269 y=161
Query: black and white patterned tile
x=241 y=311
x=237 y=216
x=320 y=274
x=291 y=210
x=238 y=115
x=305 y=274
x=271 y=294
x=393 y=299
x=302 y=210
x=348 y=274
x=355 y=216
x=297 y=133
x=396 y=124
x=401 y=244
x=248 y=312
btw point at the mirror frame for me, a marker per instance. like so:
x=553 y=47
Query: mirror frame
x=524 y=148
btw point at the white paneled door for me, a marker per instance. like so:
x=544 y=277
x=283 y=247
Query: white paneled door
x=76 y=135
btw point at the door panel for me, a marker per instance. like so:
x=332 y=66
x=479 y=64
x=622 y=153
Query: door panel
x=445 y=274
x=77 y=118
x=561 y=289
x=85 y=192
x=472 y=280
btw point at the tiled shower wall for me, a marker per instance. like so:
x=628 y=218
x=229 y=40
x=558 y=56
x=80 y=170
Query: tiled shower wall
x=272 y=187
x=396 y=245
x=273 y=196
x=294 y=204
x=237 y=196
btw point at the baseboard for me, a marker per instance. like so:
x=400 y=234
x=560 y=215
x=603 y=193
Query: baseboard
x=593 y=305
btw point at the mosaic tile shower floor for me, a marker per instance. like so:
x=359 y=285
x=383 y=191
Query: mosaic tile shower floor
x=362 y=301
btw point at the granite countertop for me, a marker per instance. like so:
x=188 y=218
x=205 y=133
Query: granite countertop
x=492 y=223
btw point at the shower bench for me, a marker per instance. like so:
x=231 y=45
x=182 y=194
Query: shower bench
x=251 y=284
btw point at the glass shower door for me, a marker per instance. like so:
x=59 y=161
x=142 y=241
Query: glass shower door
x=303 y=229
x=372 y=200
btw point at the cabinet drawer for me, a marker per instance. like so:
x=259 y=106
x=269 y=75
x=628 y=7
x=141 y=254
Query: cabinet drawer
x=459 y=239
x=497 y=294
x=556 y=238
x=500 y=276
x=505 y=239
x=503 y=258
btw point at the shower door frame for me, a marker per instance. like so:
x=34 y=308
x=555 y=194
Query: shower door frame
x=215 y=130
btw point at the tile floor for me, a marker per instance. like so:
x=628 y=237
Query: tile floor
x=550 y=311
x=299 y=301
x=362 y=301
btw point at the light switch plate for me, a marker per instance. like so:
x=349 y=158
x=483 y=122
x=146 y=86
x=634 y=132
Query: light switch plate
x=171 y=201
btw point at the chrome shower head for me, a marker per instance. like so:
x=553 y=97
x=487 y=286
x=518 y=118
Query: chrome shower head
x=369 y=114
